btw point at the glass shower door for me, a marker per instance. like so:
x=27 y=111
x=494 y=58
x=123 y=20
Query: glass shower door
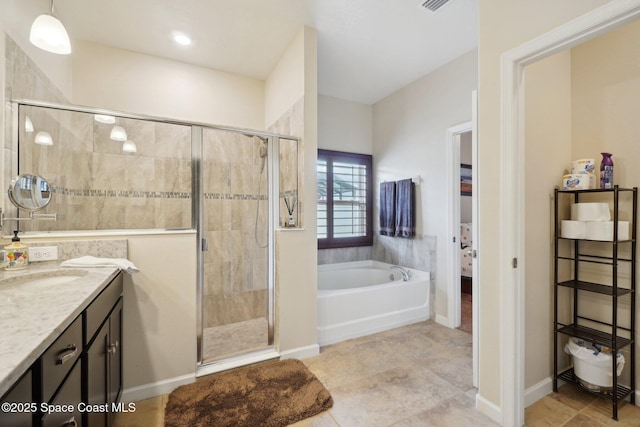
x=236 y=296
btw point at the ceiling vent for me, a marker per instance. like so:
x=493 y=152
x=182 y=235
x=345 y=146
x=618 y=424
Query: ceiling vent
x=432 y=5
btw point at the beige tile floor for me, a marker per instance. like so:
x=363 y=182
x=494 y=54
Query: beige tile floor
x=417 y=375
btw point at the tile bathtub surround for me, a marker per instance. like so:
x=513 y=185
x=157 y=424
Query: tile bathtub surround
x=333 y=256
x=418 y=253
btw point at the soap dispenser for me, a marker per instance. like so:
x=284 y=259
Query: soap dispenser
x=16 y=254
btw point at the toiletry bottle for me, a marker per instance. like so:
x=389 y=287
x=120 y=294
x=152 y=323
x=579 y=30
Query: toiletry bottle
x=16 y=254
x=606 y=171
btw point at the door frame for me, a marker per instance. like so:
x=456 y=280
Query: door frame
x=454 y=296
x=512 y=217
x=453 y=260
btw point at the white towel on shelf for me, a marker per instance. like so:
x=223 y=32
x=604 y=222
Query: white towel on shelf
x=91 y=261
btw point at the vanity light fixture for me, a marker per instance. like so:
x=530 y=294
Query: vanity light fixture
x=118 y=134
x=28 y=124
x=43 y=138
x=103 y=118
x=129 y=147
x=48 y=33
x=181 y=38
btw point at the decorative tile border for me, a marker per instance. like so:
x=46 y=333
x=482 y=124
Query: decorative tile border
x=153 y=194
x=222 y=196
x=121 y=193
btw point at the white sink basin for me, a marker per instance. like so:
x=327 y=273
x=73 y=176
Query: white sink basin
x=39 y=279
x=54 y=280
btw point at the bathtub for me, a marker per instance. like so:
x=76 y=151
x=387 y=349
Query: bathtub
x=364 y=297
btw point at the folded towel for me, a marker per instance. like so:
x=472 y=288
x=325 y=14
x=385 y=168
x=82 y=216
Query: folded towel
x=405 y=209
x=387 y=208
x=91 y=261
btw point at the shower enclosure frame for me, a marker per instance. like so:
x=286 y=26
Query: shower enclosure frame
x=273 y=186
x=273 y=193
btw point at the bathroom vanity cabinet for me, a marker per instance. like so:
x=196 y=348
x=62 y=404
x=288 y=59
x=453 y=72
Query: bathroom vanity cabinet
x=79 y=376
x=594 y=280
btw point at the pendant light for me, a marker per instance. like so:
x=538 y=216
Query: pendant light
x=103 y=118
x=129 y=147
x=28 y=124
x=43 y=138
x=48 y=33
x=118 y=134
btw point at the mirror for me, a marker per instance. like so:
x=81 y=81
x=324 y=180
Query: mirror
x=30 y=192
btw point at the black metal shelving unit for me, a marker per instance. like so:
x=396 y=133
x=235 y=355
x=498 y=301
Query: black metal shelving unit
x=609 y=334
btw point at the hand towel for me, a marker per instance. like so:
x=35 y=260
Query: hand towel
x=91 y=261
x=387 y=208
x=405 y=209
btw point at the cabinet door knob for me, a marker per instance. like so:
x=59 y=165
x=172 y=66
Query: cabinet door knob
x=67 y=354
x=113 y=347
x=70 y=422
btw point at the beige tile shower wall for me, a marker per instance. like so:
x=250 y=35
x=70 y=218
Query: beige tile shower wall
x=235 y=191
x=23 y=79
x=97 y=186
x=291 y=123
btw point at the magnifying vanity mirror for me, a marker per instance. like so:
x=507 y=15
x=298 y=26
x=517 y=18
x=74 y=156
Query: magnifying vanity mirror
x=30 y=192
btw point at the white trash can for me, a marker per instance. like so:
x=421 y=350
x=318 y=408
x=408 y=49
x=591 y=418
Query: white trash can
x=592 y=364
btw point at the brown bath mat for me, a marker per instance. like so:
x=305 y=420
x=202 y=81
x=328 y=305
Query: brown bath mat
x=265 y=395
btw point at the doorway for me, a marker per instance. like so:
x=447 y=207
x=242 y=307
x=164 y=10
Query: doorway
x=463 y=214
x=235 y=225
x=512 y=229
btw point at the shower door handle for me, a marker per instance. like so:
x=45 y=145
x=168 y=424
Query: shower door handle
x=205 y=245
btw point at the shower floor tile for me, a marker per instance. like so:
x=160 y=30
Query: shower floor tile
x=235 y=338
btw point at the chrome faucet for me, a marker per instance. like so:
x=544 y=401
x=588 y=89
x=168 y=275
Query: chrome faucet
x=406 y=273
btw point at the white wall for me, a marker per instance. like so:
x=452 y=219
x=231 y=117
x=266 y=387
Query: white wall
x=605 y=77
x=122 y=80
x=296 y=250
x=285 y=85
x=409 y=139
x=503 y=25
x=547 y=155
x=344 y=125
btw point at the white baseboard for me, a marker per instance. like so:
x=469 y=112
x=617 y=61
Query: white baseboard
x=489 y=408
x=442 y=320
x=537 y=391
x=544 y=387
x=135 y=394
x=301 y=352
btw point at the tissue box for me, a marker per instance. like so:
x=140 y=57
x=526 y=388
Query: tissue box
x=590 y=212
x=603 y=230
x=573 y=229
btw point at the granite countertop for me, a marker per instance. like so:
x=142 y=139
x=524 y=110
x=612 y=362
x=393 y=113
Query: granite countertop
x=33 y=315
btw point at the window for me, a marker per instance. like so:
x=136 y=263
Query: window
x=344 y=199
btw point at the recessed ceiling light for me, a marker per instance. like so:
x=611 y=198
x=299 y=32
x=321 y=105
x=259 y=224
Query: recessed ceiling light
x=181 y=38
